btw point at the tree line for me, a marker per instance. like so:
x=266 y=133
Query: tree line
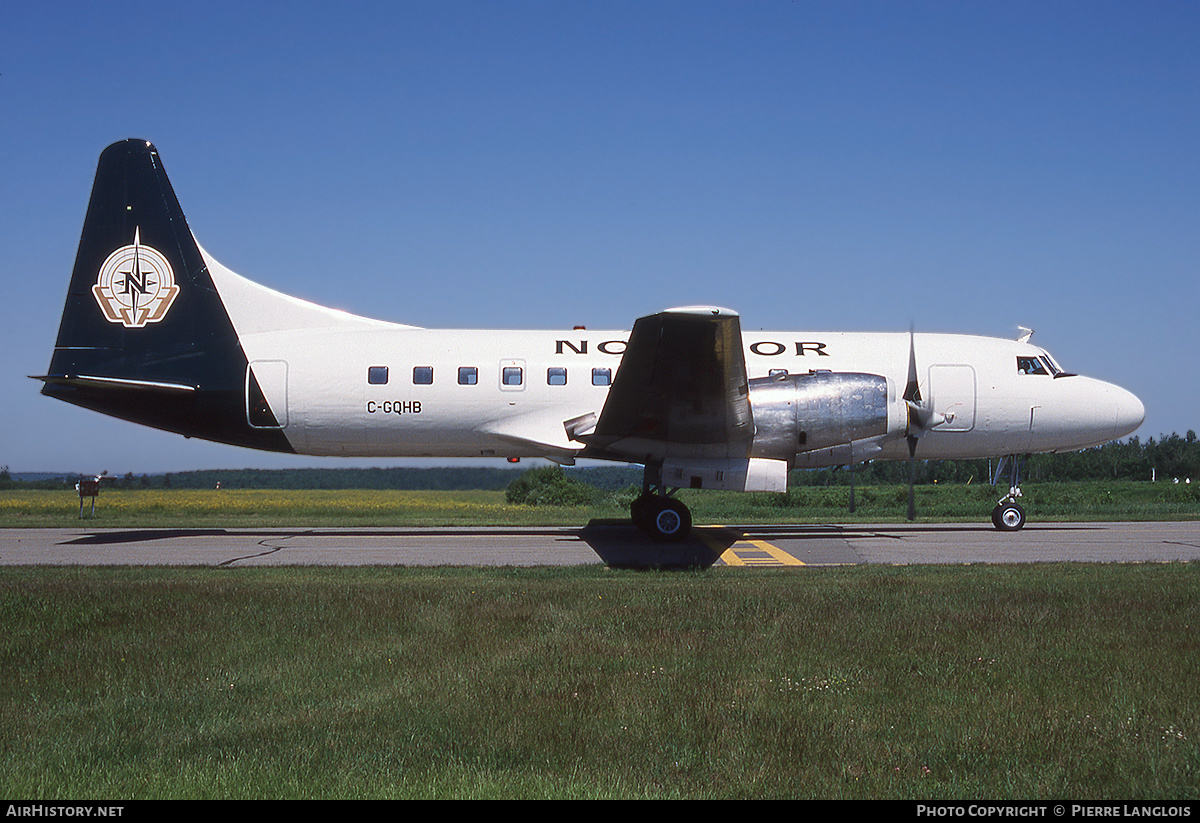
x=1168 y=458
x=1165 y=459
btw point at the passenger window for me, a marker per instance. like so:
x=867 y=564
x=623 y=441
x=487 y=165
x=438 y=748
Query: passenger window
x=422 y=375
x=556 y=376
x=468 y=375
x=377 y=375
x=601 y=377
x=511 y=376
x=1030 y=365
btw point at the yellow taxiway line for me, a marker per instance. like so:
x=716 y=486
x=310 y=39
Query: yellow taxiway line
x=750 y=552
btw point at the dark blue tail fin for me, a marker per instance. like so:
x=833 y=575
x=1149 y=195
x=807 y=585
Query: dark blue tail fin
x=144 y=334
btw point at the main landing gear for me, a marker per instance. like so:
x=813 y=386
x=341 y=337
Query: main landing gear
x=1008 y=516
x=662 y=517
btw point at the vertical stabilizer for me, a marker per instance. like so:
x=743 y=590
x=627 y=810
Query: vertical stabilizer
x=144 y=333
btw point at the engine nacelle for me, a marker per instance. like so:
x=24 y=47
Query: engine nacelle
x=823 y=418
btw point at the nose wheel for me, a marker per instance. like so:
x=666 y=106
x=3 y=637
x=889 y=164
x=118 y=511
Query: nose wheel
x=1008 y=516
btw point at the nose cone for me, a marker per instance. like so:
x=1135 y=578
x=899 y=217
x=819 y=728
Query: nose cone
x=1079 y=412
x=1129 y=412
x=1116 y=412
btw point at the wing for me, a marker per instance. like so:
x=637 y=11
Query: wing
x=681 y=401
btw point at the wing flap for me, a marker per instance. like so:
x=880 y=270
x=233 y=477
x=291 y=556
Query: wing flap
x=543 y=434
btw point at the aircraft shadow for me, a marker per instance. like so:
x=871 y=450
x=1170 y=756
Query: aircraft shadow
x=144 y=535
x=622 y=545
x=138 y=536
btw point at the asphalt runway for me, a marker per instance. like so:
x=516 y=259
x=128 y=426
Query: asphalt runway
x=614 y=543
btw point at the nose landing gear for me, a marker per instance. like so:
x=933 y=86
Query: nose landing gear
x=1008 y=516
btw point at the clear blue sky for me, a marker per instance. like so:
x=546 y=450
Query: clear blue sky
x=949 y=166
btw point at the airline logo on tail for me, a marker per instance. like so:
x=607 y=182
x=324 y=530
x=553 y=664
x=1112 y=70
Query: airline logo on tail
x=136 y=285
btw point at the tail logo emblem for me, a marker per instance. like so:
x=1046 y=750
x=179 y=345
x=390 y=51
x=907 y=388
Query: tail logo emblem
x=136 y=285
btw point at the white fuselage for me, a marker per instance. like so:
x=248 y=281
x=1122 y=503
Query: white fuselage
x=346 y=385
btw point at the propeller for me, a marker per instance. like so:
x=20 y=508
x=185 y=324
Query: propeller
x=920 y=418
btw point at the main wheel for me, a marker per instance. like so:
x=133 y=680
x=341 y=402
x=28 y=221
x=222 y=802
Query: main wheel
x=667 y=520
x=1008 y=517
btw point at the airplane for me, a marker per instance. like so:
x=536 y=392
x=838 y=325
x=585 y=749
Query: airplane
x=156 y=331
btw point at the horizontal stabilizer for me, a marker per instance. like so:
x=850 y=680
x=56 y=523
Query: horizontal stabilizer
x=92 y=382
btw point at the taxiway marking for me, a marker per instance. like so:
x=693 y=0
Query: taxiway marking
x=747 y=552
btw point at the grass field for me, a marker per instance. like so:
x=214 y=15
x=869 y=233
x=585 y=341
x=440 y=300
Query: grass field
x=233 y=507
x=959 y=682
x=1046 y=681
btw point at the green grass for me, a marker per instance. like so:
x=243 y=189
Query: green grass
x=802 y=504
x=1043 y=681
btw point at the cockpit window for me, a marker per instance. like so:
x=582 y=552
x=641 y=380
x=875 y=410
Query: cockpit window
x=1030 y=365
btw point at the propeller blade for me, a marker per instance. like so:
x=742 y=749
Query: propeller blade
x=912 y=396
x=920 y=416
x=912 y=478
x=912 y=391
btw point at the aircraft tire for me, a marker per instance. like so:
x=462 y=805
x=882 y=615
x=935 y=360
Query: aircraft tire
x=667 y=520
x=1008 y=517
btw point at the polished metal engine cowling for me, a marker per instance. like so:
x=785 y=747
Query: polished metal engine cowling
x=799 y=413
